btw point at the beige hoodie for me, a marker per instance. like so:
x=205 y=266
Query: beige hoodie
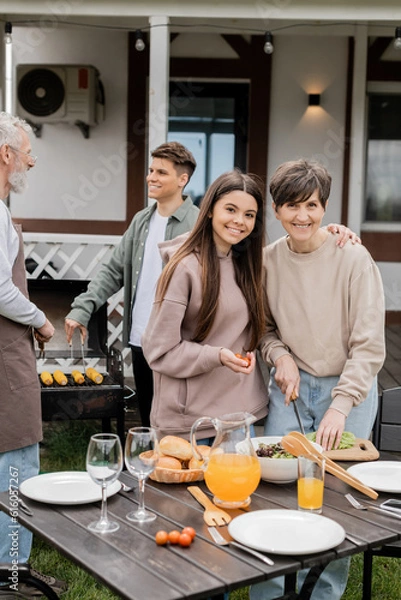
x=189 y=379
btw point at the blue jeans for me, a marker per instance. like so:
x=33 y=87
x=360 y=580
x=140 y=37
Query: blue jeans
x=15 y=467
x=330 y=585
x=314 y=400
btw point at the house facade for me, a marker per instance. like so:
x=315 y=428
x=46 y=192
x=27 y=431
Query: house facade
x=199 y=72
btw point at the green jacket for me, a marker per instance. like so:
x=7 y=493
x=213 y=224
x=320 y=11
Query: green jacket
x=124 y=266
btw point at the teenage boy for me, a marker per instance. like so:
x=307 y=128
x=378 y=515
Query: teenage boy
x=136 y=263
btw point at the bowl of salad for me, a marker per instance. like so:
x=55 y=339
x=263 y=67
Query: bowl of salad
x=277 y=465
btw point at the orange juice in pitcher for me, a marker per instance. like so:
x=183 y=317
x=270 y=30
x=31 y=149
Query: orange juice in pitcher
x=232 y=470
x=232 y=477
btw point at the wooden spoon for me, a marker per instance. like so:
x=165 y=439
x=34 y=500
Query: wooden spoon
x=304 y=440
x=297 y=444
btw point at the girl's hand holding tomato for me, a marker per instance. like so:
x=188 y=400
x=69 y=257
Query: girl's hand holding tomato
x=238 y=362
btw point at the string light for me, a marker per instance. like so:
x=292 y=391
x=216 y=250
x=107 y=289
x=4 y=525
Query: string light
x=8 y=28
x=268 y=46
x=8 y=68
x=268 y=37
x=397 y=41
x=139 y=43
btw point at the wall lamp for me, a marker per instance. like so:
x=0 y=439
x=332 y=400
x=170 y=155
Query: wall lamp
x=314 y=100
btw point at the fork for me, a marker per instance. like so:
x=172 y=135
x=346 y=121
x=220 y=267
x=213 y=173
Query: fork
x=212 y=515
x=221 y=541
x=356 y=504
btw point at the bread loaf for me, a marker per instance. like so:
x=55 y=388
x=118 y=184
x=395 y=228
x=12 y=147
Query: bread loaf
x=171 y=445
x=194 y=463
x=169 y=462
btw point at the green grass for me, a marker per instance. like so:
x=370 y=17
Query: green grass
x=64 y=449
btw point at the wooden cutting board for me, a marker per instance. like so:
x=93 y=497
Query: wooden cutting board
x=361 y=450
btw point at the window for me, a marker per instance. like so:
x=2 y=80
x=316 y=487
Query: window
x=383 y=169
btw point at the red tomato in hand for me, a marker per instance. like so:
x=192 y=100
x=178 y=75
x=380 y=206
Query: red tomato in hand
x=245 y=358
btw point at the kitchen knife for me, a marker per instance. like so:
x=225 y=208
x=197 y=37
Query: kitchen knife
x=294 y=403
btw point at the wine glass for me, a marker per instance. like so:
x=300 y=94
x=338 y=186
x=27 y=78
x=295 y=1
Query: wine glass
x=104 y=462
x=141 y=440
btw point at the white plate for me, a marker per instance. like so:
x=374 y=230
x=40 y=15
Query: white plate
x=383 y=476
x=65 y=487
x=286 y=531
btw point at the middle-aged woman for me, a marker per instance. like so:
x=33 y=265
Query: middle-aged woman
x=324 y=336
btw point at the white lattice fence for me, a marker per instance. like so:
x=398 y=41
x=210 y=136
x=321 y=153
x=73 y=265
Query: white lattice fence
x=77 y=257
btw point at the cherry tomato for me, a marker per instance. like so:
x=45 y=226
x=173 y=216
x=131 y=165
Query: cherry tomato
x=189 y=531
x=161 y=538
x=248 y=360
x=185 y=540
x=174 y=536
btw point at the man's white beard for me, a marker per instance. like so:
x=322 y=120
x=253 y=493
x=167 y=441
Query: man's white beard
x=18 y=181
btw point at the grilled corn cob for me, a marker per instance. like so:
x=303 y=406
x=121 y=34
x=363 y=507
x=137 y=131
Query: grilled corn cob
x=46 y=378
x=60 y=378
x=94 y=375
x=77 y=377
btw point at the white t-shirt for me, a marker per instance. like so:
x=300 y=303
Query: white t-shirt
x=151 y=270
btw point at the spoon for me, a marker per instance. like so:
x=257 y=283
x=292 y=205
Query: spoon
x=297 y=444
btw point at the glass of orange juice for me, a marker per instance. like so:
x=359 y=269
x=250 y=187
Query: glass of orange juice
x=310 y=484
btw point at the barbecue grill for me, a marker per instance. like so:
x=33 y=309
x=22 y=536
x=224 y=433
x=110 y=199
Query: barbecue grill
x=89 y=400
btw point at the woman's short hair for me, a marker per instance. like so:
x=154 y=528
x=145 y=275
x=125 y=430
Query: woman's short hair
x=297 y=180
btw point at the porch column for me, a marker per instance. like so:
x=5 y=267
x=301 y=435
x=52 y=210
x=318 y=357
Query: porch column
x=358 y=134
x=159 y=74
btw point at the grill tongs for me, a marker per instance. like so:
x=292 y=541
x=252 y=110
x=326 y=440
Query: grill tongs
x=82 y=352
x=42 y=352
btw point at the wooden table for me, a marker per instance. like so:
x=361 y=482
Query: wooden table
x=129 y=562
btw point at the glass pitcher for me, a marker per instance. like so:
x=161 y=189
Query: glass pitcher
x=232 y=470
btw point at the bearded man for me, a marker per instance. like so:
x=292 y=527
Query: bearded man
x=20 y=320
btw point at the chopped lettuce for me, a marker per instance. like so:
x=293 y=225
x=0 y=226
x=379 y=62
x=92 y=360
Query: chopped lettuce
x=347 y=439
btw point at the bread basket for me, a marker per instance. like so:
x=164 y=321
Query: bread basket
x=162 y=475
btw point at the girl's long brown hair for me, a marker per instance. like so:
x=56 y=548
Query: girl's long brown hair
x=247 y=257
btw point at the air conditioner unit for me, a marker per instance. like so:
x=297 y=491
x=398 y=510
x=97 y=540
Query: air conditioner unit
x=60 y=94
